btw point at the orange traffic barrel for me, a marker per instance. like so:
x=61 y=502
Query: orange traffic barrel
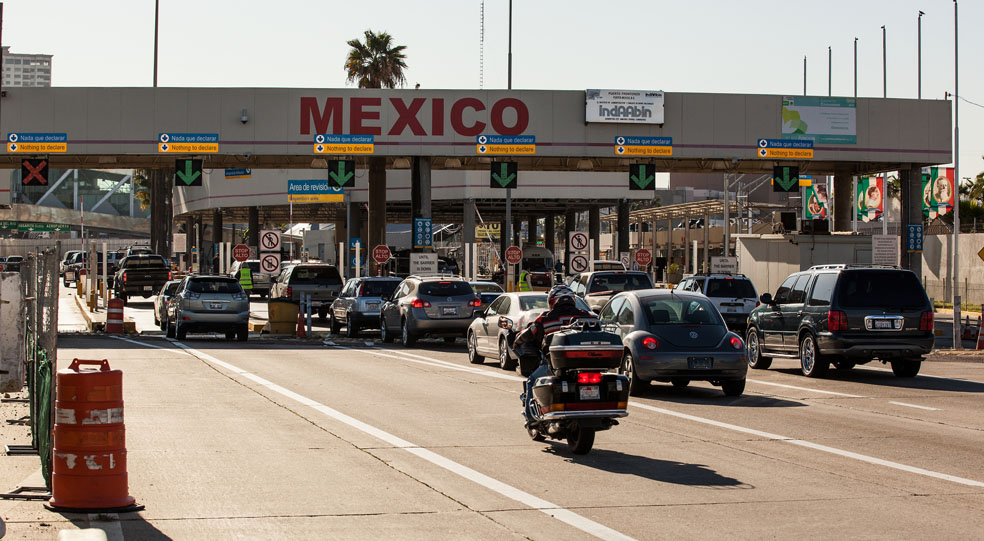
x=114 y=316
x=89 y=457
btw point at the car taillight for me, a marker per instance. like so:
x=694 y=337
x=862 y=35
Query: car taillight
x=589 y=377
x=736 y=343
x=290 y=292
x=836 y=320
x=757 y=304
x=650 y=342
x=475 y=303
x=926 y=321
x=124 y=277
x=420 y=303
x=169 y=278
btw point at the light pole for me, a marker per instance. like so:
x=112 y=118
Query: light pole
x=855 y=67
x=157 y=18
x=804 y=75
x=956 y=176
x=830 y=70
x=884 y=65
x=919 y=57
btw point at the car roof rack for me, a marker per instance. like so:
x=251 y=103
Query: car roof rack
x=437 y=275
x=736 y=274
x=854 y=266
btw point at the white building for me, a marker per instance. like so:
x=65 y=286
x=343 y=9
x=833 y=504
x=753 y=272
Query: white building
x=26 y=69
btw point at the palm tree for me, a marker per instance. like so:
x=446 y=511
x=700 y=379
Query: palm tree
x=376 y=63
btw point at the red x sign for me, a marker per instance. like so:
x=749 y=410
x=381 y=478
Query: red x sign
x=34 y=172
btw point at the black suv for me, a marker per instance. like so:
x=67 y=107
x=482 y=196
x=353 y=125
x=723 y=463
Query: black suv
x=845 y=315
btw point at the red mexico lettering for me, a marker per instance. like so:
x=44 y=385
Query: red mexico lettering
x=331 y=112
x=522 y=116
x=407 y=116
x=357 y=115
x=457 y=116
x=437 y=116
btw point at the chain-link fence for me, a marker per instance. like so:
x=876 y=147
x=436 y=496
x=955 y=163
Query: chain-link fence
x=39 y=274
x=971 y=290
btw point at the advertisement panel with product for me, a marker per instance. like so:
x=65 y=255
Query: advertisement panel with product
x=823 y=120
x=623 y=106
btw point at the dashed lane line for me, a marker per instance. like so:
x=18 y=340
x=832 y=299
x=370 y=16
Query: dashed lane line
x=914 y=406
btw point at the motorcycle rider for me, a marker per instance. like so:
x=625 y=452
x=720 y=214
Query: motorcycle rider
x=563 y=310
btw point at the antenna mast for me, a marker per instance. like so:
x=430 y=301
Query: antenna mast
x=481 y=48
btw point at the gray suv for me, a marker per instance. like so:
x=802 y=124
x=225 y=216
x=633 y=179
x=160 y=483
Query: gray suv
x=436 y=306
x=597 y=288
x=208 y=304
x=357 y=306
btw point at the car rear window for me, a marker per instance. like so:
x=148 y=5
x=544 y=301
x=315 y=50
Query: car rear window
x=315 y=275
x=680 y=311
x=533 y=302
x=619 y=282
x=169 y=289
x=446 y=288
x=486 y=288
x=145 y=261
x=214 y=285
x=608 y=265
x=734 y=288
x=378 y=288
x=880 y=289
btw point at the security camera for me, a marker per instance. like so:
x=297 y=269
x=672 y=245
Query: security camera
x=245 y=118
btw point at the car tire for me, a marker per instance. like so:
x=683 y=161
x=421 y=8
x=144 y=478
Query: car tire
x=505 y=361
x=406 y=336
x=333 y=326
x=580 y=439
x=680 y=383
x=384 y=334
x=733 y=387
x=157 y=322
x=243 y=333
x=351 y=329
x=163 y=325
x=811 y=363
x=322 y=314
x=230 y=335
x=754 y=348
x=906 y=368
x=637 y=385
x=180 y=332
x=844 y=365
x=123 y=298
x=169 y=332
x=450 y=339
x=473 y=356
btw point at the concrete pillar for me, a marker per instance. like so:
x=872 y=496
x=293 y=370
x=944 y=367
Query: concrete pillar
x=504 y=242
x=687 y=249
x=570 y=224
x=707 y=246
x=376 y=233
x=549 y=232
x=910 y=179
x=468 y=235
x=594 y=228
x=623 y=227
x=531 y=231
x=843 y=201
x=669 y=241
x=420 y=187
x=253 y=235
x=516 y=231
x=189 y=240
x=216 y=236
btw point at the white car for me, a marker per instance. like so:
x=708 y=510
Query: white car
x=734 y=296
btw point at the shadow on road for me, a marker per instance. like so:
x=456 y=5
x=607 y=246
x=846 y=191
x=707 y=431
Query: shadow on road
x=664 y=471
x=133 y=525
x=703 y=396
x=888 y=379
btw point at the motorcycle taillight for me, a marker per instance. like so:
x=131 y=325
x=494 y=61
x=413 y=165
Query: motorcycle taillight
x=589 y=377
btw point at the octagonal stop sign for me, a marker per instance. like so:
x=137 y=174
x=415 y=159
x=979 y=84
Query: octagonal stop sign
x=240 y=252
x=643 y=257
x=381 y=254
x=514 y=255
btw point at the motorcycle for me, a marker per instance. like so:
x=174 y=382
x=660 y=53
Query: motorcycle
x=578 y=397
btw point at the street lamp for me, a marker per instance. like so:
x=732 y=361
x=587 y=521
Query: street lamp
x=919 y=57
x=956 y=175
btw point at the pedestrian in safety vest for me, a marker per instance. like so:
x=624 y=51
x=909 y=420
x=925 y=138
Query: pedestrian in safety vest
x=246 y=279
x=524 y=281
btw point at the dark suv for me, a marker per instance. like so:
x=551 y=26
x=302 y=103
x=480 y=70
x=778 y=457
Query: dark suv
x=845 y=315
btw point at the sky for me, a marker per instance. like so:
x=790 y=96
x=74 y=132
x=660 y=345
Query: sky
x=725 y=46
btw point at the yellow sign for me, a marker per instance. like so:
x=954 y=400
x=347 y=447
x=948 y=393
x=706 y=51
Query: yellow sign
x=505 y=149
x=627 y=150
x=344 y=148
x=981 y=254
x=37 y=147
x=786 y=153
x=188 y=148
x=486 y=231
x=315 y=198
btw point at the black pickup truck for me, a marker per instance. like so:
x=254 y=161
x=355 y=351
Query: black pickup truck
x=142 y=275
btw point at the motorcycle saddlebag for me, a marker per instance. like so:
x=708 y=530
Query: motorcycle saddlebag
x=573 y=349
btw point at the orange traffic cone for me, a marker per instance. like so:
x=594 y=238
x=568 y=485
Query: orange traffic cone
x=980 y=337
x=301 y=333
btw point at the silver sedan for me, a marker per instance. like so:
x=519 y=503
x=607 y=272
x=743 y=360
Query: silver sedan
x=675 y=337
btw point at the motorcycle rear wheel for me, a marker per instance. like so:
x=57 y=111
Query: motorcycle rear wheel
x=580 y=440
x=534 y=433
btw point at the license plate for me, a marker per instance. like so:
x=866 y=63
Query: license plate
x=215 y=305
x=730 y=309
x=883 y=324
x=700 y=363
x=148 y=288
x=449 y=311
x=373 y=306
x=589 y=392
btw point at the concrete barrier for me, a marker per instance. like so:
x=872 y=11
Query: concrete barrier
x=11 y=332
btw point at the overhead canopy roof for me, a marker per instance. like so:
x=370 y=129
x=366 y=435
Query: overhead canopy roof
x=685 y=210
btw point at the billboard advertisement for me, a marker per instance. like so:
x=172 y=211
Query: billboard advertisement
x=623 y=106
x=816 y=200
x=821 y=120
x=870 y=198
x=938 y=191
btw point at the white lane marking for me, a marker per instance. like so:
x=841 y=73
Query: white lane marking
x=914 y=406
x=109 y=523
x=878 y=369
x=816 y=446
x=437 y=362
x=760 y=382
x=802 y=443
x=573 y=519
x=147 y=344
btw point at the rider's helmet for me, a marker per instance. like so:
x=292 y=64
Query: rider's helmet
x=560 y=294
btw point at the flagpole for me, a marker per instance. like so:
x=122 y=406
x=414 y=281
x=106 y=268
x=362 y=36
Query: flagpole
x=957 y=344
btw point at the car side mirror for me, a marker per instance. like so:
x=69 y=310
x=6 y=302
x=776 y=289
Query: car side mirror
x=766 y=298
x=505 y=322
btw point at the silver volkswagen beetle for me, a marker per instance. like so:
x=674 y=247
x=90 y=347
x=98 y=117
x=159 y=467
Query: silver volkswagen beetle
x=675 y=337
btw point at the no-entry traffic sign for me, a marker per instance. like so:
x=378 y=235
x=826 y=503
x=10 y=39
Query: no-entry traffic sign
x=579 y=263
x=578 y=241
x=269 y=241
x=381 y=254
x=240 y=252
x=514 y=255
x=270 y=263
x=643 y=257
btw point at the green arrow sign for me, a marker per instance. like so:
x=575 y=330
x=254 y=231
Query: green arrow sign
x=188 y=171
x=340 y=172
x=504 y=175
x=642 y=176
x=785 y=179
